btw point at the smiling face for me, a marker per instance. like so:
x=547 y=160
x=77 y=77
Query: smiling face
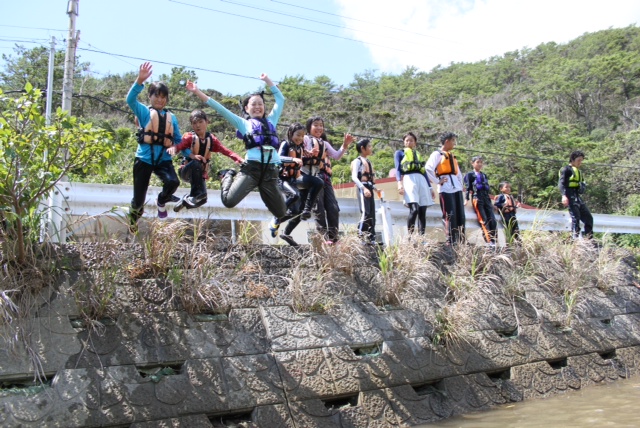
x=477 y=164
x=158 y=101
x=317 y=128
x=298 y=137
x=506 y=189
x=255 y=107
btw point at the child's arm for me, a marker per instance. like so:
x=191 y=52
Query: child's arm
x=218 y=147
x=184 y=144
x=397 y=159
x=140 y=110
x=237 y=122
x=337 y=154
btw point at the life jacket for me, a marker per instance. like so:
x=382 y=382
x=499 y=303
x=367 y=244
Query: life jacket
x=576 y=180
x=159 y=130
x=202 y=148
x=365 y=171
x=322 y=160
x=448 y=164
x=262 y=134
x=509 y=204
x=411 y=162
x=480 y=184
x=292 y=170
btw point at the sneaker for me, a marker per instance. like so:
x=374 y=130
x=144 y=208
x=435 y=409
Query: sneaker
x=177 y=207
x=162 y=210
x=173 y=199
x=289 y=240
x=306 y=214
x=273 y=227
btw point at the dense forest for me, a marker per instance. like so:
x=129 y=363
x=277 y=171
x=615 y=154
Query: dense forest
x=525 y=111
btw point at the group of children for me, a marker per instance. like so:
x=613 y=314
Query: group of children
x=294 y=177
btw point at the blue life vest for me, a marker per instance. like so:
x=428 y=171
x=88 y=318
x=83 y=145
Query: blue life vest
x=263 y=134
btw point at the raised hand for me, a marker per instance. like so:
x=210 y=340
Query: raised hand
x=146 y=70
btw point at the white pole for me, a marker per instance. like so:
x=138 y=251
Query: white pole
x=47 y=227
x=70 y=56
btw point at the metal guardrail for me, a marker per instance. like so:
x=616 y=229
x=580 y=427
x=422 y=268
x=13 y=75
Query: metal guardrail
x=73 y=200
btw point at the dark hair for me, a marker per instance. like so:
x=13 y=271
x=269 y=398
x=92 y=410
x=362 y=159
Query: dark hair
x=503 y=184
x=158 y=88
x=197 y=115
x=575 y=155
x=410 y=134
x=316 y=119
x=475 y=158
x=245 y=103
x=362 y=144
x=447 y=136
x=292 y=130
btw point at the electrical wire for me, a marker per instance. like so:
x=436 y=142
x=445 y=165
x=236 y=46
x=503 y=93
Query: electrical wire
x=289 y=26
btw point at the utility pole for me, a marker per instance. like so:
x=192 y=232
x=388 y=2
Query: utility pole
x=70 y=56
x=52 y=53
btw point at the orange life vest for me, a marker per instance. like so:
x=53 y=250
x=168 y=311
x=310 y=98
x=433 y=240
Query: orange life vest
x=448 y=164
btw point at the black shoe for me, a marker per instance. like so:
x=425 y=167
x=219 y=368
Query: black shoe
x=223 y=172
x=177 y=207
x=306 y=214
x=173 y=199
x=288 y=239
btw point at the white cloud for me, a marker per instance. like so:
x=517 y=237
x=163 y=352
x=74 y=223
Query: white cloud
x=440 y=32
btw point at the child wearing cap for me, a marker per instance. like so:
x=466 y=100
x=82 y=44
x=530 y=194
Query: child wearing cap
x=363 y=176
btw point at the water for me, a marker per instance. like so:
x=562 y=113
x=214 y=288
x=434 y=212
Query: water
x=609 y=405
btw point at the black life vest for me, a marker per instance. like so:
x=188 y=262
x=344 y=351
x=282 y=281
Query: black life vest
x=292 y=170
x=202 y=147
x=159 y=130
x=365 y=171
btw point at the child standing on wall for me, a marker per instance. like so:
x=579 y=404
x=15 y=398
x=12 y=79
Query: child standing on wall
x=201 y=144
x=363 y=175
x=507 y=205
x=477 y=185
x=261 y=141
x=442 y=169
x=158 y=131
x=572 y=186
x=413 y=183
x=327 y=210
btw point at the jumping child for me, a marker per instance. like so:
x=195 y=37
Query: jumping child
x=327 y=211
x=261 y=141
x=442 y=168
x=413 y=183
x=201 y=144
x=301 y=188
x=507 y=205
x=363 y=175
x=158 y=130
x=477 y=185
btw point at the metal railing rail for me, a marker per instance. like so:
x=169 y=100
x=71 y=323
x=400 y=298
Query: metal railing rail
x=72 y=200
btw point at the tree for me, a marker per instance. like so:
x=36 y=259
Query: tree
x=34 y=157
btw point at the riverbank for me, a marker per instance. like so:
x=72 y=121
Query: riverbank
x=197 y=332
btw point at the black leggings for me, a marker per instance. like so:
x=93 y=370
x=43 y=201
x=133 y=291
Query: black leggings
x=419 y=213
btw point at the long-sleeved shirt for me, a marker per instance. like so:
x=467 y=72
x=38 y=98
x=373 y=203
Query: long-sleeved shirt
x=505 y=203
x=254 y=154
x=454 y=182
x=358 y=169
x=330 y=152
x=564 y=182
x=216 y=147
x=141 y=111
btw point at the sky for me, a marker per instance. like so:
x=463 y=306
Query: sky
x=229 y=43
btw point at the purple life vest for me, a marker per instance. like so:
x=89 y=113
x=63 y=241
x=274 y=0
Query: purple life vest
x=263 y=133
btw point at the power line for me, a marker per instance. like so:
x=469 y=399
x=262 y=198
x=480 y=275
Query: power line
x=288 y=26
x=169 y=63
x=32 y=28
x=366 y=22
x=318 y=22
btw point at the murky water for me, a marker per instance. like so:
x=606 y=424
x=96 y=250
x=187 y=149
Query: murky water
x=610 y=405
